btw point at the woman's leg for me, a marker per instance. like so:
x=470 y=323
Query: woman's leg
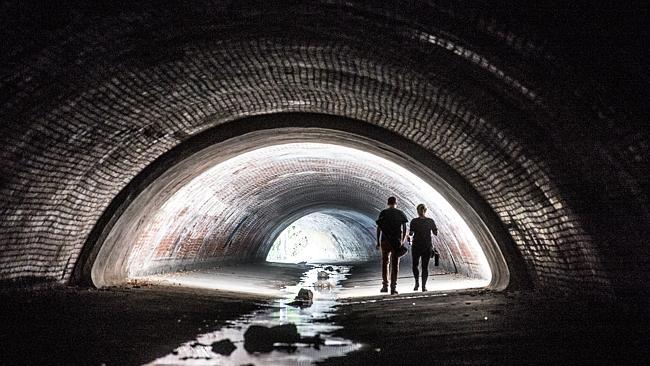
x=416 y=273
x=425 y=269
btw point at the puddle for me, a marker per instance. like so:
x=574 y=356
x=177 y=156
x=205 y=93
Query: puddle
x=310 y=322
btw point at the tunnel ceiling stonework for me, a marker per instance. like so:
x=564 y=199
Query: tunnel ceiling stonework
x=530 y=106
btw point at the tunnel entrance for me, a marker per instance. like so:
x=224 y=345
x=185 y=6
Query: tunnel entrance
x=239 y=201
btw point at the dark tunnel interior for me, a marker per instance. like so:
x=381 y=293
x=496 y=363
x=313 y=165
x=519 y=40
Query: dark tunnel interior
x=230 y=152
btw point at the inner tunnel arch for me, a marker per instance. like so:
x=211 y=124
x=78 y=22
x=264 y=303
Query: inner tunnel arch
x=112 y=266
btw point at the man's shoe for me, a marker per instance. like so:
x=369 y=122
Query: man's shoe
x=384 y=289
x=393 y=291
x=417 y=285
x=424 y=289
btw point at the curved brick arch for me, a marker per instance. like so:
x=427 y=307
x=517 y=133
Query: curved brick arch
x=91 y=99
x=230 y=200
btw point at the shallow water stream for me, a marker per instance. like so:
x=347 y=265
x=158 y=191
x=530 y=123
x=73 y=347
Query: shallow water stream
x=310 y=321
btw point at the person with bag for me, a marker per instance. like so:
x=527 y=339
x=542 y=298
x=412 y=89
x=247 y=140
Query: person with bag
x=391 y=232
x=422 y=249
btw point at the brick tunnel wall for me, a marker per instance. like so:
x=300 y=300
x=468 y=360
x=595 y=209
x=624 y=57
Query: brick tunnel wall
x=236 y=208
x=542 y=111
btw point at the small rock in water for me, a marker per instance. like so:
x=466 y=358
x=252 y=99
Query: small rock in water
x=259 y=338
x=285 y=333
x=305 y=295
x=323 y=285
x=224 y=347
x=329 y=268
x=300 y=304
x=286 y=348
x=322 y=275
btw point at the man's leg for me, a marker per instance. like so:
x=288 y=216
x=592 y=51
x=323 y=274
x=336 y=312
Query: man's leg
x=394 y=269
x=385 y=253
x=425 y=269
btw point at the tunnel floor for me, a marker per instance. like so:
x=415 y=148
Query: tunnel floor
x=121 y=326
x=143 y=323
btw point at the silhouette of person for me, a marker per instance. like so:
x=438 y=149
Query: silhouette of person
x=391 y=231
x=421 y=228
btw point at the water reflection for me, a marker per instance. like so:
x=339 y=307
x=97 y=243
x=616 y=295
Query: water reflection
x=311 y=323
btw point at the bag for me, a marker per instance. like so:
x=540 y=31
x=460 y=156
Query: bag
x=401 y=250
x=436 y=257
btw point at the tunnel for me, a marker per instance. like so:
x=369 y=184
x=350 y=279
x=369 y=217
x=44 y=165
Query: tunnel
x=232 y=200
x=143 y=145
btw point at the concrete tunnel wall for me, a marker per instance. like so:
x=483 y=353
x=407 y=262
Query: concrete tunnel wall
x=541 y=111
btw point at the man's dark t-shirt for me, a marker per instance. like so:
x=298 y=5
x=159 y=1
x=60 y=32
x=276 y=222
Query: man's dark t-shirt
x=421 y=228
x=390 y=222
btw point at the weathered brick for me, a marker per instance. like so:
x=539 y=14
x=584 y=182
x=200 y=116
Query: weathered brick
x=547 y=124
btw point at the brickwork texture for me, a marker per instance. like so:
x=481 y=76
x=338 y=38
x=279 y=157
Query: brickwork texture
x=541 y=110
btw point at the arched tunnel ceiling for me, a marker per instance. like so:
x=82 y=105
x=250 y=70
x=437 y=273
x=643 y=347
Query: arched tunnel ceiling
x=532 y=110
x=234 y=208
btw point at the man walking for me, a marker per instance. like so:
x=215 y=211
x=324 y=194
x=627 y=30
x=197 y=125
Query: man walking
x=391 y=231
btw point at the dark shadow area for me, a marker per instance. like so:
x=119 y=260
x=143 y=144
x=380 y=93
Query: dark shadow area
x=489 y=328
x=116 y=326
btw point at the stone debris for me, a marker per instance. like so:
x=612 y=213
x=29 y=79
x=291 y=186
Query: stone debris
x=304 y=298
x=329 y=268
x=323 y=285
x=322 y=275
x=305 y=295
x=224 y=347
x=258 y=338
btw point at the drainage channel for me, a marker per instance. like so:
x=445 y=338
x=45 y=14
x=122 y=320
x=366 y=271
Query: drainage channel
x=287 y=332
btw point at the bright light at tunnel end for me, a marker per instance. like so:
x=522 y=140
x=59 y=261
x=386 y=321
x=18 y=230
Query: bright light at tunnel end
x=325 y=237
